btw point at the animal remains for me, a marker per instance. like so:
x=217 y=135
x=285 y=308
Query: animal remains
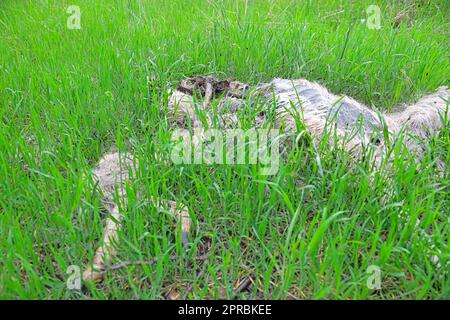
x=284 y=103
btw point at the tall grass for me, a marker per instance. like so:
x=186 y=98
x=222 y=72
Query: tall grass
x=311 y=231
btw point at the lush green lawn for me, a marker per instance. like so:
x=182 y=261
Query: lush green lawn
x=311 y=231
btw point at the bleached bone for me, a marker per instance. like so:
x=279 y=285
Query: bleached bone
x=113 y=173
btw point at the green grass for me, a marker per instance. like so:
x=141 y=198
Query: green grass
x=311 y=231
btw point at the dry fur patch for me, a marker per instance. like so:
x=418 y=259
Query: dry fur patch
x=321 y=111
